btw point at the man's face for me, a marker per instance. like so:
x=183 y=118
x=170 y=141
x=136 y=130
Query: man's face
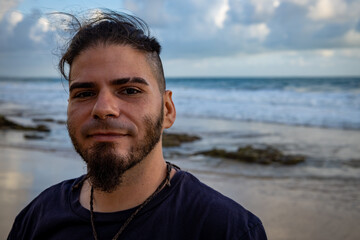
x=115 y=111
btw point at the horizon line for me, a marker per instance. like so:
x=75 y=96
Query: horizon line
x=217 y=76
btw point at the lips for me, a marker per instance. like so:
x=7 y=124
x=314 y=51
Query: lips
x=108 y=128
x=107 y=136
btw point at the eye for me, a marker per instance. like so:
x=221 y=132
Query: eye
x=130 y=91
x=85 y=94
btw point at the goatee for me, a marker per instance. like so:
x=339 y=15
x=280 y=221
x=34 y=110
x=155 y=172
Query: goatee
x=105 y=167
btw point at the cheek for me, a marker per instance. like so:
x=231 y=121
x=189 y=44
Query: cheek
x=76 y=110
x=76 y=115
x=71 y=115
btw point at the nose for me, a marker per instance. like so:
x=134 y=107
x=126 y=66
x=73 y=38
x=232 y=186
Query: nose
x=106 y=106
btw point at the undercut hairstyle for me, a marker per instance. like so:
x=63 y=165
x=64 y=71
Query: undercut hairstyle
x=108 y=28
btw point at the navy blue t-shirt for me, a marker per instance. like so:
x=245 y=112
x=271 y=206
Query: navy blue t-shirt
x=188 y=209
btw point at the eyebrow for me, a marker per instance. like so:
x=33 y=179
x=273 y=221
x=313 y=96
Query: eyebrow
x=122 y=81
x=115 y=82
x=81 y=85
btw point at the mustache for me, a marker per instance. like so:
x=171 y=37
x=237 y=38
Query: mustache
x=107 y=125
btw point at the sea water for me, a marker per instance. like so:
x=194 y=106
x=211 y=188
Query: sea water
x=322 y=102
x=225 y=112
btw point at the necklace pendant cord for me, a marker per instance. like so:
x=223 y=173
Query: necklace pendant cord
x=165 y=182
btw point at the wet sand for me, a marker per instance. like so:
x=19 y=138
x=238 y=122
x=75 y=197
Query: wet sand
x=289 y=208
x=295 y=209
x=25 y=173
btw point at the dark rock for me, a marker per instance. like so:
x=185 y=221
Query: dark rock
x=33 y=136
x=48 y=120
x=43 y=120
x=355 y=163
x=176 y=139
x=42 y=128
x=252 y=155
x=60 y=121
x=7 y=124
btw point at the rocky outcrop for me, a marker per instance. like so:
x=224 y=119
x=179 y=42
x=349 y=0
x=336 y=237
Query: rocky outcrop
x=6 y=124
x=176 y=139
x=251 y=155
x=48 y=120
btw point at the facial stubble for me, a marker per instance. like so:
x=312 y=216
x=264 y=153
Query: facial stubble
x=105 y=167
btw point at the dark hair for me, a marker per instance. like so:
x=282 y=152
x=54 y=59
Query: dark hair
x=109 y=27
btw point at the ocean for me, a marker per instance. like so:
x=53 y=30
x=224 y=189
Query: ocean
x=226 y=112
x=321 y=102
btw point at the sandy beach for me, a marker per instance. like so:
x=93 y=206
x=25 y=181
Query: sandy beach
x=291 y=206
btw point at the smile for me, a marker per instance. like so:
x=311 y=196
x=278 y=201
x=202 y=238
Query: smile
x=106 y=137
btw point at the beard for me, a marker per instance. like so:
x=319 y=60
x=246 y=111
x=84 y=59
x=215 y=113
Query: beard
x=105 y=167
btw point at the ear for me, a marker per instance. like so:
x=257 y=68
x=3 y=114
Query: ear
x=169 y=110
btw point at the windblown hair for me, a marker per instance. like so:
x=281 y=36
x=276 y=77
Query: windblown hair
x=109 y=27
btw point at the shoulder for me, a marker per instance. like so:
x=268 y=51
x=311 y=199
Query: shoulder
x=203 y=194
x=53 y=194
x=219 y=214
x=46 y=202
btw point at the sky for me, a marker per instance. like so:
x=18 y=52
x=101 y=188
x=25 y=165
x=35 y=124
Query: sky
x=203 y=37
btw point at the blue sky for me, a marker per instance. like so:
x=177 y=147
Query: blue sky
x=203 y=37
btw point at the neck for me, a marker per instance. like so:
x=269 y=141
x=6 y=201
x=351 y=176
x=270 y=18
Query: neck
x=138 y=183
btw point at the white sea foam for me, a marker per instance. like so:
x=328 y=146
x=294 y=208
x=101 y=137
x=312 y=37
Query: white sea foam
x=335 y=109
x=330 y=103
x=324 y=102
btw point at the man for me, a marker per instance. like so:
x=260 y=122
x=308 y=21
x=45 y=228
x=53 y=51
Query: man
x=118 y=108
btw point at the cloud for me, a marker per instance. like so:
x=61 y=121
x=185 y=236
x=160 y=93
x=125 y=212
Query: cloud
x=230 y=27
x=326 y=53
x=327 y=9
x=352 y=38
x=13 y=19
x=202 y=28
x=153 y=12
x=26 y=44
x=214 y=30
x=6 y=5
x=221 y=14
x=282 y=63
x=30 y=32
x=39 y=31
x=258 y=31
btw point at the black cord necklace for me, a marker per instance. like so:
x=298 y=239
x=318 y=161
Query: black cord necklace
x=166 y=181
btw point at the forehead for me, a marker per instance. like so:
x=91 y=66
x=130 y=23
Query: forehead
x=108 y=62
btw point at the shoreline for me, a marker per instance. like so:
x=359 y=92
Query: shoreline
x=317 y=199
x=290 y=208
x=329 y=153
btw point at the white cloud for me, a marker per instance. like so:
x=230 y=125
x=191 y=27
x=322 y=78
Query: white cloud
x=6 y=5
x=349 y=53
x=327 y=9
x=39 y=30
x=264 y=7
x=15 y=18
x=280 y=63
x=276 y=3
x=221 y=14
x=12 y=19
x=327 y=53
x=258 y=31
x=352 y=38
x=209 y=34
